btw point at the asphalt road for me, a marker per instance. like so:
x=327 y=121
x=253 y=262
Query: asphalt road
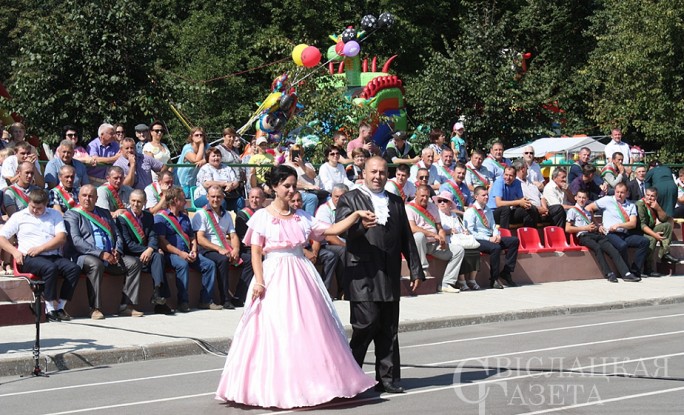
x=623 y=361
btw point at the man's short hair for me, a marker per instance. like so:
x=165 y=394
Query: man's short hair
x=587 y=149
x=68 y=144
x=163 y=174
x=258 y=190
x=518 y=164
x=103 y=127
x=478 y=152
x=364 y=124
x=588 y=170
x=65 y=168
x=139 y=192
x=621 y=184
x=340 y=186
x=173 y=193
x=128 y=140
x=460 y=165
x=404 y=168
x=38 y=196
x=116 y=169
x=479 y=189
x=616 y=154
x=558 y=171
x=423 y=187
x=651 y=189
x=23 y=145
x=586 y=193
x=25 y=164
x=358 y=151
x=215 y=187
x=447 y=150
x=426 y=150
x=515 y=171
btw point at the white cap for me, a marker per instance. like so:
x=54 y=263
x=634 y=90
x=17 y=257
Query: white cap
x=261 y=140
x=458 y=126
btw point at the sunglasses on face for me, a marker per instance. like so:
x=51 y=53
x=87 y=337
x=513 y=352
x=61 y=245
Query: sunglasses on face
x=529 y=152
x=71 y=135
x=158 y=131
x=334 y=154
x=423 y=177
x=443 y=200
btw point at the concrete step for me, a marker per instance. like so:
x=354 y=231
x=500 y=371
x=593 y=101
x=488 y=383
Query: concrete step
x=15 y=289
x=16 y=313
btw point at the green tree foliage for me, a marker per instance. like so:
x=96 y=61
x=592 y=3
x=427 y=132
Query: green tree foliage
x=634 y=75
x=86 y=63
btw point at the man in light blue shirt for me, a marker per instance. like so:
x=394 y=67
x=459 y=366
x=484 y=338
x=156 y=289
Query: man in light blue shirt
x=508 y=202
x=479 y=221
x=65 y=157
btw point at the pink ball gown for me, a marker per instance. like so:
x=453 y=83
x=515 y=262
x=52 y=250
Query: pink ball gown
x=289 y=349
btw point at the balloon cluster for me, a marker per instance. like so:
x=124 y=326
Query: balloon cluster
x=278 y=106
x=347 y=44
x=305 y=55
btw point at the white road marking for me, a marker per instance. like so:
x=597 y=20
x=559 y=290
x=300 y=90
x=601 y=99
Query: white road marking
x=123 y=405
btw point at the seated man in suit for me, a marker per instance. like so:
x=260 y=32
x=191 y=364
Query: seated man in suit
x=177 y=239
x=637 y=187
x=479 y=221
x=96 y=247
x=218 y=241
x=508 y=202
x=64 y=196
x=113 y=194
x=136 y=228
x=41 y=233
x=16 y=197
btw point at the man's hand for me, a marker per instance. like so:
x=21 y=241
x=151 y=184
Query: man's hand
x=311 y=256
x=131 y=159
x=414 y=285
x=591 y=227
x=495 y=239
x=442 y=240
x=34 y=251
x=18 y=257
x=146 y=256
x=109 y=258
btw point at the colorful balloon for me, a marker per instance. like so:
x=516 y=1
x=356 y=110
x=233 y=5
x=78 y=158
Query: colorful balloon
x=270 y=104
x=348 y=34
x=339 y=48
x=369 y=22
x=385 y=20
x=311 y=56
x=351 y=48
x=297 y=53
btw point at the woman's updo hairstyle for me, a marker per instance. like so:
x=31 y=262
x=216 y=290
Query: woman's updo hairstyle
x=279 y=174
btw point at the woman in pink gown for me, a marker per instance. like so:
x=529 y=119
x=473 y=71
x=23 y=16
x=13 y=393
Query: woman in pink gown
x=289 y=349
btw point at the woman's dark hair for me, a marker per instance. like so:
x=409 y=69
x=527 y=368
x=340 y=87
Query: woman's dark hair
x=654 y=163
x=279 y=174
x=71 y=128
x=332 y=148
x=212 y=150
x=435 y=134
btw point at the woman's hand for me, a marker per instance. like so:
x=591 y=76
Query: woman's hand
x=368 y=219
x=258 y=291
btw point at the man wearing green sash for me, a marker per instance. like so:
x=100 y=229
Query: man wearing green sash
x=656 y=226
x=16 y=197
x=97 y=248
x=64 y=196
x=431 y=239
x=113 y=194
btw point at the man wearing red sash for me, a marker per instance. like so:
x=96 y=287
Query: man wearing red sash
x=136 y=228
x=479 y=220
x=64 y=196
x=40 y=234
x=476 y=173
x=113 y=194
x=593 y=237
x=155 y=192
x=255 y=201
x=177 y=239
x=445 y=165
x=495 y=161
x=218 y=241
x=16 y=197
x=656 y=226
x=619 y=217
x=457 y=187
x=97 y=248
x=400 y=184
x=431 y=239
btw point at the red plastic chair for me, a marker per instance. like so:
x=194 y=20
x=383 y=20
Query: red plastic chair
x=575 y=242
x=26 y=275
x=505 y=232
x=554 y=238
x=529 y=241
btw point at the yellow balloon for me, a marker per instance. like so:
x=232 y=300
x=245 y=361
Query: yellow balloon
x=271 y=102
x=297 y=53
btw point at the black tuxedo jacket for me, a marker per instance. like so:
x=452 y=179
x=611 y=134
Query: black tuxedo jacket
x=130 y=242
x=373 y=258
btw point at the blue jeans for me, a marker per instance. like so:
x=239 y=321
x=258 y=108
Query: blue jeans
x=205 y=266
x=622 y=241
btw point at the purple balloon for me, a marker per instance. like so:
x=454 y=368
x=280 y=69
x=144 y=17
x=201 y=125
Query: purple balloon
x=351 y=48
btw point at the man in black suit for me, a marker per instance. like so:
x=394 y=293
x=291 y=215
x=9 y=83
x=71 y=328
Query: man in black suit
x=136 y=227
x=95 y=246
x=637 y=187
x=372 y=279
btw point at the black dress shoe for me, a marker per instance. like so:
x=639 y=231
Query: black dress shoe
x=509 y=280
x=237 y=302
x=629 y=277
x=52 y=316
x=63 y=316
x=670 y=259
x=389 y=387
x=611 y=277
x=654 y=274
x=496 y=284
x=228 y=305
x=163 y=309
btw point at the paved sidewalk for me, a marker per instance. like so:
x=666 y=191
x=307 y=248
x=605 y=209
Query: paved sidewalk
x=83 y=342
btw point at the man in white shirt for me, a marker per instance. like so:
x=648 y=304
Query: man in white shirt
x=400 y=185
x=10 y=167
x=617 y=145
x=431 y=239
x=333 y=243
x=40 y=234
x=530 y=191
x=557 y=197
x=534 y=174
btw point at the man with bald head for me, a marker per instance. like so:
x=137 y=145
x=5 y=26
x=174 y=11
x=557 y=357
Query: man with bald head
x=372 y=278
x=16 y=196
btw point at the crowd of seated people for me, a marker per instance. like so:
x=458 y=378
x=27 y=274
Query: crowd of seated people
x=116 y=206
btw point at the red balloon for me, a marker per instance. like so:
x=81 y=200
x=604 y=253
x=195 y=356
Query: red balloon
x=311 y=56
x=339 y=48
